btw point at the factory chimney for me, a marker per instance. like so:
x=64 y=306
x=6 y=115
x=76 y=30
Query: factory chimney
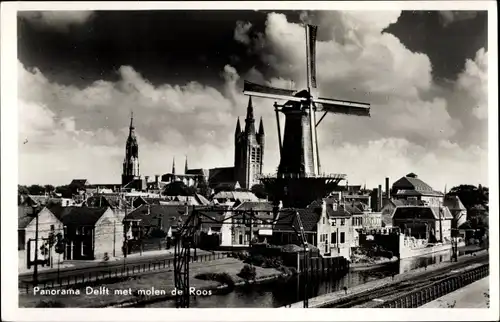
x=387 y=189
x=379 y=198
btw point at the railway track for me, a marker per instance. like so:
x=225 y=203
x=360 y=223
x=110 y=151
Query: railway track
x=423 y=279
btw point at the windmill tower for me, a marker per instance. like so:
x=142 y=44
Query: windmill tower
x=298 y=181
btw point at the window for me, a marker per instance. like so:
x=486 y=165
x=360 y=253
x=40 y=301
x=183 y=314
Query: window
x=52 y=227
x=342 y=237
x=323 y=220
x=342 y=222
x=354 y=220
x=334 y=238
x=334 y=221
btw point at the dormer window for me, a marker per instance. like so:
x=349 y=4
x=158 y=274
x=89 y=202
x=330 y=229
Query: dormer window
x=334 y=206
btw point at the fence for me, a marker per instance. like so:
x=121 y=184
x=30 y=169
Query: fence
x=111 y=274
x=423 y=295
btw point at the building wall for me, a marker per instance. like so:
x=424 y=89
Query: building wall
x=372 y=220
x=108 y=235
x=446 y=227
x=46 y=220
x=432 y=201
x=388 y=209
x=340 y=248
x=323 y=237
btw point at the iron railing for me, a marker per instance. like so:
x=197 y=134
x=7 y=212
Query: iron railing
x=106 y=275
x=428 y=293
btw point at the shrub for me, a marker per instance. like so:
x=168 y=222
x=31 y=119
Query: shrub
x=50 y=303
x=248 y=272
x=223 y=278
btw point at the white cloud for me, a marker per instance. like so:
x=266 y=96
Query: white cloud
x=82 y=132
x=241 y=32
x=57 y=20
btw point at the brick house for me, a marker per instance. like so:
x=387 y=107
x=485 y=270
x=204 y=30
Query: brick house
x=47 y=223
x=91 y=232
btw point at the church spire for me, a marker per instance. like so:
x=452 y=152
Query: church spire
x=238 y=127
x=250 y=121
x=186 y=166
x=250 y=109
x=173 y=165
x=131 y=128
x=261 y=127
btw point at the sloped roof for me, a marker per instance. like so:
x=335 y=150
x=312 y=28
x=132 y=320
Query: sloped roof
x=405 y=202
x=453 y=203
x=425 y=212
x=412 y=183
x=221 y=175
x=146 y=213
x=287 y=219
x=24 y=216
x=78 y=216
x=79 y=183
x=113 y=201
x=236 y=195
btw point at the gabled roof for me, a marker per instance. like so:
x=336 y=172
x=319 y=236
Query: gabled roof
x=221 y=175
x=78 y=216
x=425 y=212
x=236 y=195
x=99 y=201
x=454 y=203
x=24 y=216
x=79 y=183
x=405 y=202
x=146 y=213
x=287 y=219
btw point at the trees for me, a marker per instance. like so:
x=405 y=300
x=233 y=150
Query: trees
x=471 y=196
x=179 y=188
x=259 y=190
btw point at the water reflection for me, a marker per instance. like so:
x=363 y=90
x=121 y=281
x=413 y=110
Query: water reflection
x=282 y=293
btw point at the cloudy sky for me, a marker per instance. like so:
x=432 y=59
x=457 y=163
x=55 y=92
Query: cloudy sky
x=80 y=74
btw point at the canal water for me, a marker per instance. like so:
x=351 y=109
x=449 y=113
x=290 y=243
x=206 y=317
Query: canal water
x=278 y=294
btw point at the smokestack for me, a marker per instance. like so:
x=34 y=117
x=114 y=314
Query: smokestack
x=157 y=180
x=387 y=189
x=379 y=198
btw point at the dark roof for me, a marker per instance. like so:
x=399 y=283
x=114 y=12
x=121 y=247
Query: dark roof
x=255 y=205
x=79 y=183
x=78 y=216
x=453 y=203
x=287 y=219
x=146 y=213
x=98 y=201
x=24 y=216
x=412 y=182
x=221 y=175
x=411 y=212
x=405 y=202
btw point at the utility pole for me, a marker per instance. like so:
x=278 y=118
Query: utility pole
x=114 y=238
x=35 y=269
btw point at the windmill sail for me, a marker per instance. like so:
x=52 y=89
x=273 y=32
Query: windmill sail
x=311 y=45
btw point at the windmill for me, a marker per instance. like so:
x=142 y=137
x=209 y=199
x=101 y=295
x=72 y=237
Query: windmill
x=299 y=146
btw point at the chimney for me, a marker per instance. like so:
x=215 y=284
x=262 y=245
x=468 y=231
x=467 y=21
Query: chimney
x=379 y=198
x=157 y=180
x=387 y=189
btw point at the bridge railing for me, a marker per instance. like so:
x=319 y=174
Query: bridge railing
x=429 y=293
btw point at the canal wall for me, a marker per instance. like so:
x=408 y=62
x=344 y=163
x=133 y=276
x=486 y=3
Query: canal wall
x=331 y=298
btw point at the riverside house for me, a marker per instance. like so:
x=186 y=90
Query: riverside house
x=26 y=229
x=91 y=233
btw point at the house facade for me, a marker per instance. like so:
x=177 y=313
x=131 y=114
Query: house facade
x=457 y=209
x=48 y=224
x=239 y=230
x=90 y=232
x=424 y=222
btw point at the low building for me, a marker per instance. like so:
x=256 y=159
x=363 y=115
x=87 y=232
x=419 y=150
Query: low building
x=48 y=224
x=239 y=230
x=457 y=209
x=91 y=233
x=424 y=222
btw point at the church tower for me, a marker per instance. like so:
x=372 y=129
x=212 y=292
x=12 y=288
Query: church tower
x=131 y=161
x=249 y=150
